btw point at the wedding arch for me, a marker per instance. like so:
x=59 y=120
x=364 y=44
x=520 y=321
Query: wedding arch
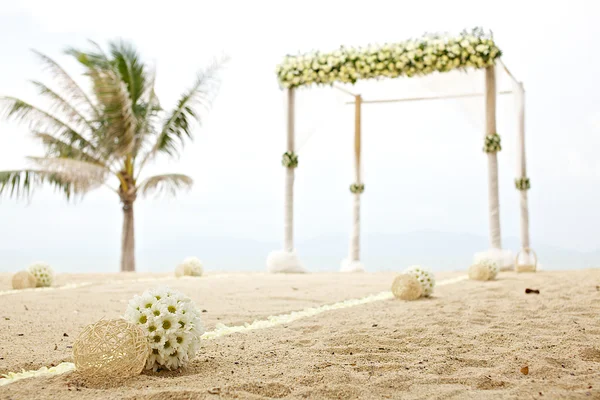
x=468 y=52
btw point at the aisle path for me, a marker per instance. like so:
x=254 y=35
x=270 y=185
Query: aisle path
x=223 y=330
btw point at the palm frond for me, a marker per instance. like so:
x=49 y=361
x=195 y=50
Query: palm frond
x=177 y=126
x=68 y=84
x=126 y=60
x=168 y=183
x=147 y=116
x=61 y=104
x=42 y=121
x=61 y=149
x=22 y=183
x=90 y=60
x=86 y=175
x=119 y=122
x=38 y=119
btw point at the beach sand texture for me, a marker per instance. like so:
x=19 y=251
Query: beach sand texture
x=469 y=341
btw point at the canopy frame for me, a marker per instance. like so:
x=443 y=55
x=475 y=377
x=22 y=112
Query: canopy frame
x=287 y=260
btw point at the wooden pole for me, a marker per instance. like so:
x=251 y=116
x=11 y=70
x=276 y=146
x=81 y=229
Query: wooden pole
x=490 y=129
x=288 y=234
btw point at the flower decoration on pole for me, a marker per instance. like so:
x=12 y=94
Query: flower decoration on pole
x=421 y=56
x=357 y=188
x=522 y=183
x=289 y=159
x=492 y=143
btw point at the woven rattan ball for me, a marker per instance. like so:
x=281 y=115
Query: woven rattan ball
x=23 y=280
x=407 y=287
x=111 y=349
x=480 y=272
x=180 y=271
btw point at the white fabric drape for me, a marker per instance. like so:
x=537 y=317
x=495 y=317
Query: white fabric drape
x=355 y=235
x=354 y=250
x=286 y=260
x=490 y=129
x=288 y=222
x=521 y=161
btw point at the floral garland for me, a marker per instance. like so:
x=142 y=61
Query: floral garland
x=289 y=159
x=421 y=56
x=357 y=188
x=522 y=183
x=492 y=143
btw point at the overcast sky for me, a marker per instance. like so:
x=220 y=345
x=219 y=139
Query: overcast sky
x=423 y=165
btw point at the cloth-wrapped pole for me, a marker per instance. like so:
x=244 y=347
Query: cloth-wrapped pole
x=355 y=237
x=286 y=260
x=522 y=164
x=490 y=129
x=288 y=221
x=503 y=258
x=288 y=224
x=352 y=263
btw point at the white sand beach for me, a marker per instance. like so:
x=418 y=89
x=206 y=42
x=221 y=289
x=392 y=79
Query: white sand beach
x=469 y=341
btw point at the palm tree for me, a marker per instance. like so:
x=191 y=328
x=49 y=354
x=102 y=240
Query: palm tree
x=113 y=132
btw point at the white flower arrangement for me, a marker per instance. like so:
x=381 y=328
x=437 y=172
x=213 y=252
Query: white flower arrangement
x=43 y=273
x=422 y=56
x=425 y=278
x=171 y=322
x=191 y=266
x=492 y=266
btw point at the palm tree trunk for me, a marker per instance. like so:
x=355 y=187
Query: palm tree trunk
x=128 y=239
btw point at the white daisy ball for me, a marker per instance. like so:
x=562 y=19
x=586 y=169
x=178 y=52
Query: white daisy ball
x=43 y=273
x=171 y=322
x=492 y=266
x=191 y=266
x=484 y=270
x=425 y=278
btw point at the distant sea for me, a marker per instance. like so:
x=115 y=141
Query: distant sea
x=379 y=252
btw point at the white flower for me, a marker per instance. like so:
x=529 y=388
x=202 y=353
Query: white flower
x=171 y=322
x=492 y=266
x=192 y=266
x=43 y=273
x=424 y=276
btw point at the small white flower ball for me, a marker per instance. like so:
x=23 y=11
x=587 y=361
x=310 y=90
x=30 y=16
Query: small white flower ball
x=492 y=266
x=407 y=287
x=43 y=273
x=171 y=323
x=191 y=266
x=424 y=276
x=484 y=270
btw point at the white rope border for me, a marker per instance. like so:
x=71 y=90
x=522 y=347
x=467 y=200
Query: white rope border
x=224 y=330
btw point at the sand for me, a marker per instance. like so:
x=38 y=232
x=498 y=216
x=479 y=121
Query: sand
x=469 y=341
